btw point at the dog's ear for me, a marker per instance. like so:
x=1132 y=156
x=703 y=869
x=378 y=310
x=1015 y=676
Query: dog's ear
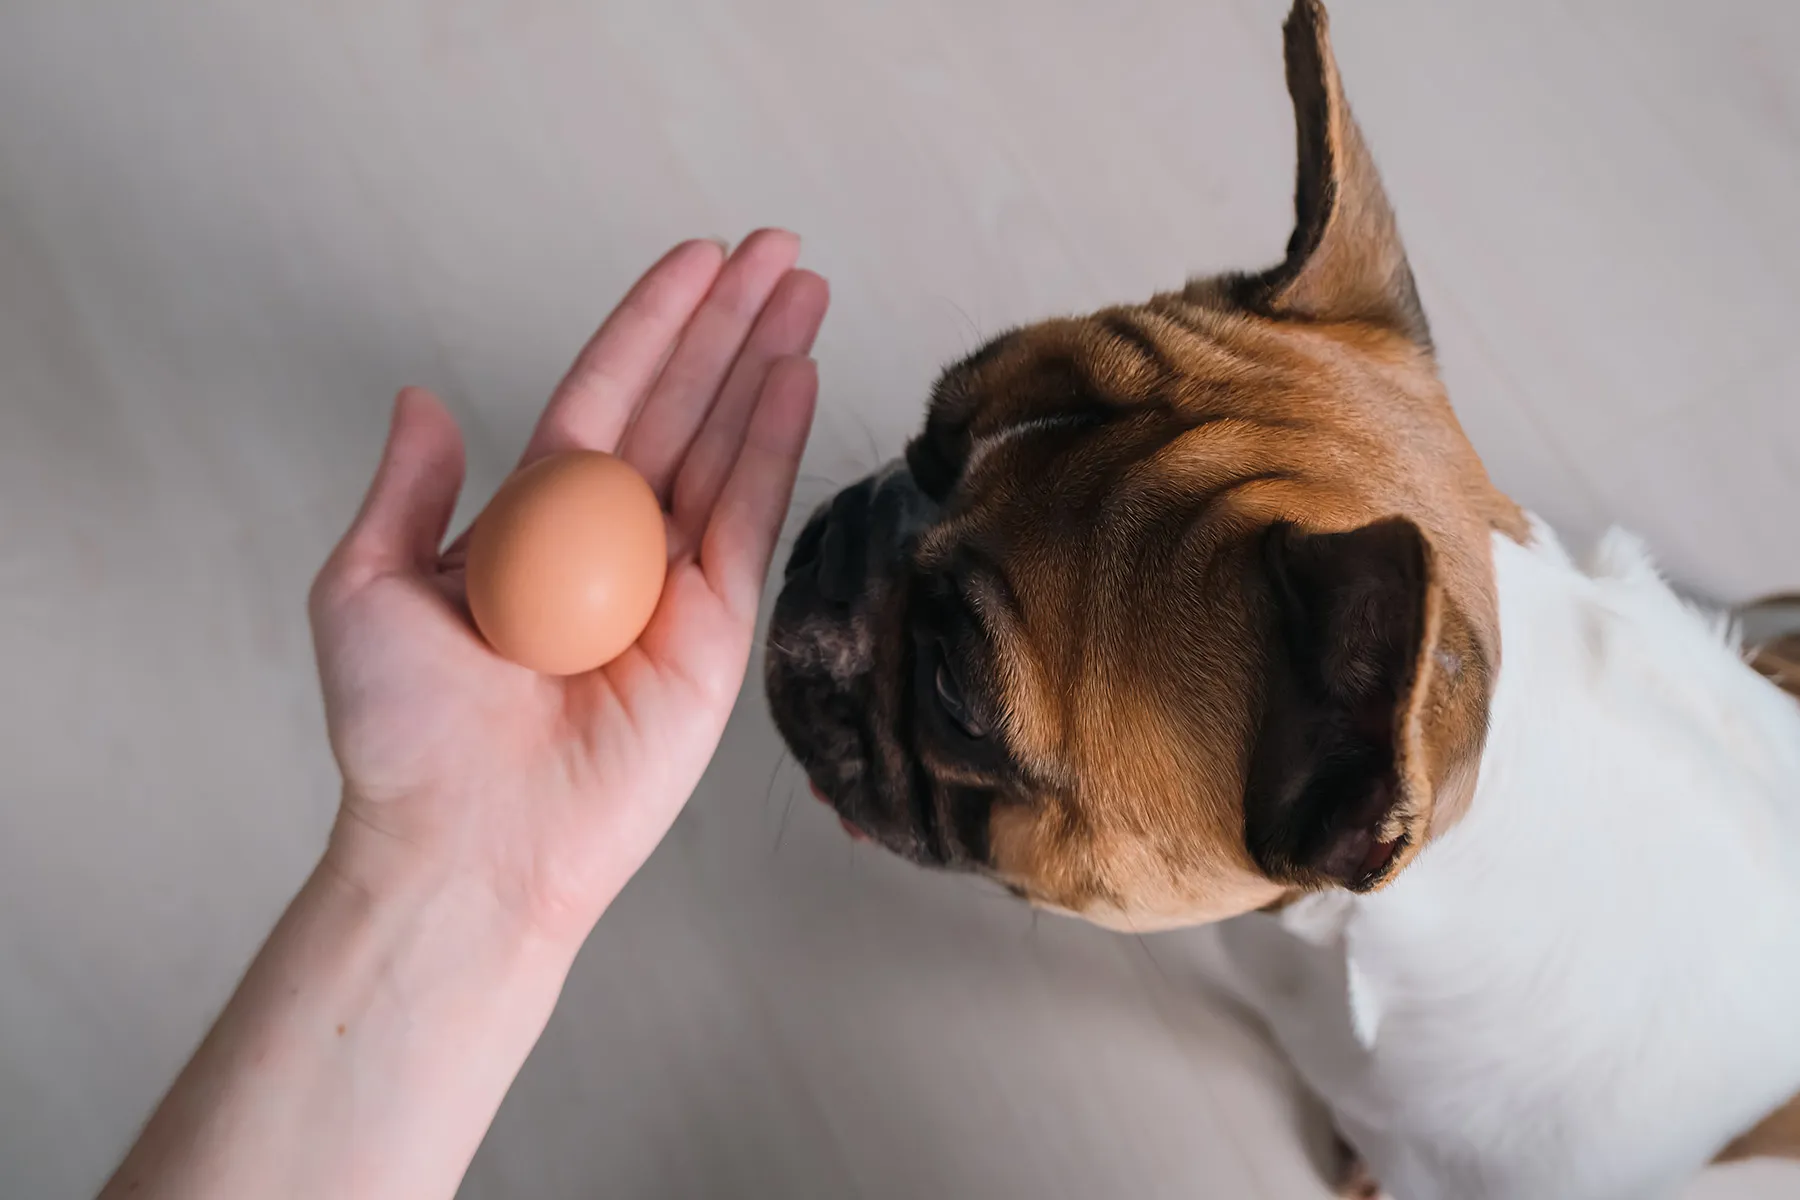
x=1344 y=260
x=1334 y=792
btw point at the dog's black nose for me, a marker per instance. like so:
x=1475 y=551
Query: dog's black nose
x=804 y=558
x=865 y=530
x=833 y=548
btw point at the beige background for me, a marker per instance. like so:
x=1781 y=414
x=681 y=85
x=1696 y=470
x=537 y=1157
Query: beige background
x=228 y=231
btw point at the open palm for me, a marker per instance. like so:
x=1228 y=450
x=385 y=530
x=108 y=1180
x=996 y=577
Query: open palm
x=552 y=791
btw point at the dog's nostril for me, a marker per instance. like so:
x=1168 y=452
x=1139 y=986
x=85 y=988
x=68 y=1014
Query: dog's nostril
x=837 y=578
x=831 y=552
x=805 y=554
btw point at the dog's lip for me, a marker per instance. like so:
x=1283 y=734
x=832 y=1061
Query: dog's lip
x=849 y=827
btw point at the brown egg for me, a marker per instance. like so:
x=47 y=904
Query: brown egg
x=566 y=563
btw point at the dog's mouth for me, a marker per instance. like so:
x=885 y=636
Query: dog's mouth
x=839 y=675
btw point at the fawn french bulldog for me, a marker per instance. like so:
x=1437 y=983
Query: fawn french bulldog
x=1206 y=607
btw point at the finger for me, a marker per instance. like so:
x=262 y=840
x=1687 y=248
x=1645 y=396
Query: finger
x=685 y=391
x=740 y=535
x=408 y=506
x=593 y=405
x=787 y=327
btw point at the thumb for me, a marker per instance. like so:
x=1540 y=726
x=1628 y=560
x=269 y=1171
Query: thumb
x=408 y=506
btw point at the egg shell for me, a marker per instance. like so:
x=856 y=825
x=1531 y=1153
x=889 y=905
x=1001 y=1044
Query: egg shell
x=567 y=562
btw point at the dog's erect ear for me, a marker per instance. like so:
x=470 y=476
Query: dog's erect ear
x=1333 y=795
x=1344 y=261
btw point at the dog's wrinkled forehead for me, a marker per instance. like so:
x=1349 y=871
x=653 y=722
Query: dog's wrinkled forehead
x=1058 y=377
x=1163 y=427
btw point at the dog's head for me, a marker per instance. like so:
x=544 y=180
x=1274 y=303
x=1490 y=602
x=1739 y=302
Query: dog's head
x=1175 y=609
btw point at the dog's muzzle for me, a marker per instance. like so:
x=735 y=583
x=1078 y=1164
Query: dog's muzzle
x=833 y=675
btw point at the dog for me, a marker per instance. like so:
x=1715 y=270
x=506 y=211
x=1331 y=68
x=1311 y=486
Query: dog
x=1205 y=608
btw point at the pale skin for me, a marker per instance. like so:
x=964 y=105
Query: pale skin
x=490 y=815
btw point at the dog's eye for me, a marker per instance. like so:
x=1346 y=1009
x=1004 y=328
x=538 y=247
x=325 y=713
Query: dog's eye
x=950 y=699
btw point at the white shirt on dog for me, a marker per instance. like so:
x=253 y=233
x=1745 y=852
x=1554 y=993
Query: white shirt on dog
x=1592 y=983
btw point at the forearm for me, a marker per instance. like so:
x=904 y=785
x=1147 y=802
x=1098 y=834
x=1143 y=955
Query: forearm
x=363 y=1055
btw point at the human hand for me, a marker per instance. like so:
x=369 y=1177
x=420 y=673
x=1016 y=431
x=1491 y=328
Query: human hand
x=549 y=793
x=490 y=814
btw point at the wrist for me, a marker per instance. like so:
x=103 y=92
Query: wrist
x=430 y=997
x=429 y=915
x=395 y=873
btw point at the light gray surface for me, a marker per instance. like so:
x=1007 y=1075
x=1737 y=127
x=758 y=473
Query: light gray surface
x=228 y=232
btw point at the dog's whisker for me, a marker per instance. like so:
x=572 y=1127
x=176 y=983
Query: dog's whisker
x=781 y=826
x=972 y=331
x=1149 y=954
x=781 y=760
x=874 y=447
x=775 y=643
